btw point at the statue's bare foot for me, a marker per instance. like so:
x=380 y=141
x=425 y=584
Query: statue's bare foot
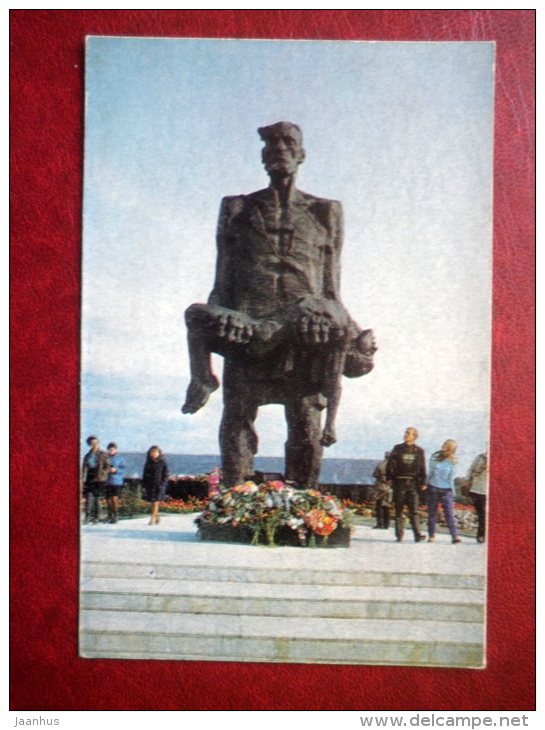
x=329 y=436
x=198 y=392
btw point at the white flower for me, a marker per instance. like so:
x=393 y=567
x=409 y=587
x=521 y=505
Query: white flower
x=295 y=522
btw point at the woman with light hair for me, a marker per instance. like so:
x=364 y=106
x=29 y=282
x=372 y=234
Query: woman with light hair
x=439 y=489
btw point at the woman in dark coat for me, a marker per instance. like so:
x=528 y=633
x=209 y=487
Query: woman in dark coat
x=154 y=481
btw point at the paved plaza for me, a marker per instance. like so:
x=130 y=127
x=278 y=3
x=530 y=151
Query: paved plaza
x=159 y=592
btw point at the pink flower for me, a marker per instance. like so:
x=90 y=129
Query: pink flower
x=276 y=485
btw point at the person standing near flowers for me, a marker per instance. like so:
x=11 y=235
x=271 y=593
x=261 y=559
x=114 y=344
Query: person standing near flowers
x=477 y=481
x=214 y=479
x=95 y=470
x=382 y=495
x=406 y=468
x=154 y=481
x=439 y=489
x=114 y=485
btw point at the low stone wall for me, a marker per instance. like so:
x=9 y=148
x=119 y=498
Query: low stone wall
x=358 y=493
x=198 y=488
x=176 y=489
x=185 y=488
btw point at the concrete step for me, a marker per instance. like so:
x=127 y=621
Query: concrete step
x=165 y=635
x=197 y=597
x=278 y=575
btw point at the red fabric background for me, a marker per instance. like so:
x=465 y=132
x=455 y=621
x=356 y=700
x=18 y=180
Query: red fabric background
x=46 y=173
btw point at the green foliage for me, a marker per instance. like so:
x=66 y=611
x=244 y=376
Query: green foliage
x=130 y=503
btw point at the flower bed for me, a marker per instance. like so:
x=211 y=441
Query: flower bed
x=275 y=514
x=132 y=505
x=465 y=516
x=180 y=506
x=362 y=509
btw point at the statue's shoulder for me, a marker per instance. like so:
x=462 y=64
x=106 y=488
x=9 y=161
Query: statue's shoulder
x=323 y=205
x=233 y=205
x=324 y=202
x=328 y=212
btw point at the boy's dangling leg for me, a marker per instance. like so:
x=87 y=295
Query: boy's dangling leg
x=332 y=390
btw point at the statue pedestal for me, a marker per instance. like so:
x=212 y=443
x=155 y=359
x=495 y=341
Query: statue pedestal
x=283 y=536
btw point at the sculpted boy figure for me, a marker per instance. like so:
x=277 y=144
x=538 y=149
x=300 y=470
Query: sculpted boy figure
x=276 y=316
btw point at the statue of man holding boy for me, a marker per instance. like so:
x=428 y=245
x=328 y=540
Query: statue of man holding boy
x=276 y=316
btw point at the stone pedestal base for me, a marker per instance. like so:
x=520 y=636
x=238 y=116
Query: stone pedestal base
x=283 y=536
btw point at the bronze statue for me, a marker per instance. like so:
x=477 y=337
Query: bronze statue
x=276 y=316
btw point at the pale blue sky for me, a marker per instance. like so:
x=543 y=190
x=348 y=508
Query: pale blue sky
x=400 y=133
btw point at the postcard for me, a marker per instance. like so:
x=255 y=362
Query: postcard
x=286 y=333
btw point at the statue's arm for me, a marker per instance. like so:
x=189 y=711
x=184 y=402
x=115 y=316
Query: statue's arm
x=361 y=343
x=332 y=269
x=219 y=315
x=221 y=293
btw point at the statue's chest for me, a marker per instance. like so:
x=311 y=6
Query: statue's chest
x=273 y=232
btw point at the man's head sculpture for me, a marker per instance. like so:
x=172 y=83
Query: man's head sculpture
x=283 y=151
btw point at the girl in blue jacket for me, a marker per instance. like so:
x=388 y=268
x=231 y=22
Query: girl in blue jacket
x=440 y=489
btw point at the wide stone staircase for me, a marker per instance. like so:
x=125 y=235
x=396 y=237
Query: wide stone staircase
x=377 y=602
